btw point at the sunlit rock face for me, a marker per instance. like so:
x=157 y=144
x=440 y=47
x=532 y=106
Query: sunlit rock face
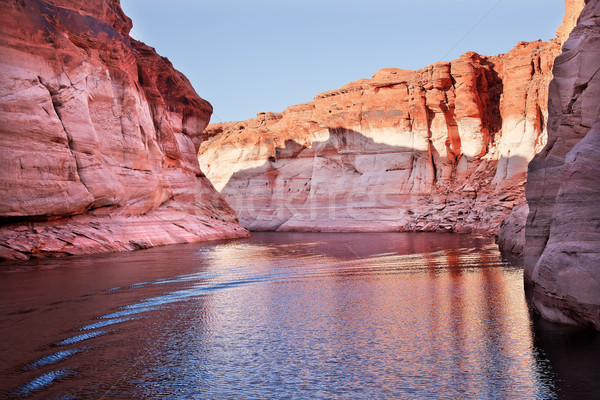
x=98 y=137
x=562 y=252
x=442 y=148
x=572 y=10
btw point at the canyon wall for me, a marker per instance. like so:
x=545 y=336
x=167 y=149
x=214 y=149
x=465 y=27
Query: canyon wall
x=562 y=250
x=572 y=11
x=444 y=148
x=98 y=137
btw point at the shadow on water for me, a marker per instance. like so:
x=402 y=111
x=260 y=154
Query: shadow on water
x=573 y=353
x=574 y=356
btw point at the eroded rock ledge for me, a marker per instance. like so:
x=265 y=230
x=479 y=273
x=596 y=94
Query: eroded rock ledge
x=444 y=148
x=98 y=137
x=562 y=251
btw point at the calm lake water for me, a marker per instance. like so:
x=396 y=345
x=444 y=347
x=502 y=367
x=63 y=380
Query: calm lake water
x=287 y=315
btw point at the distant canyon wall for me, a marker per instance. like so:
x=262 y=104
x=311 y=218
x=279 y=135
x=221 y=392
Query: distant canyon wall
x=98 y=137
x=444 y=148
x=562 y=250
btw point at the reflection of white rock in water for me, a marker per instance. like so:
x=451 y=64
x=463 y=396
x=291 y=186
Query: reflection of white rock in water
x=562 y=252
x=345 y=306
x=442 y=148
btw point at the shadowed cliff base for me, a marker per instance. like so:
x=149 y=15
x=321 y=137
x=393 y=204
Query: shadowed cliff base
x=344 y=181
x=205 y=217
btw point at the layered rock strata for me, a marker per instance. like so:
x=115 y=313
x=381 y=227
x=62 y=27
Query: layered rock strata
x=98 y=137
x=444 y=148
x=562 y=251
x=511 y=235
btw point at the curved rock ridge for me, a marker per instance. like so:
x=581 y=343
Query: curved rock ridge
x=98 y=137
x=444 y=148
x=562 y=251
x=511 y=235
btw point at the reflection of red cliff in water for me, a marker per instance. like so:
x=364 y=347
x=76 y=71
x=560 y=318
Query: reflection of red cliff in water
x=427 y=305
x=380 y=314
x=476 y=305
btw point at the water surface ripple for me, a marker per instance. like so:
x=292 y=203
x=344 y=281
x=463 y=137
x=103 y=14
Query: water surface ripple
x=356 y=316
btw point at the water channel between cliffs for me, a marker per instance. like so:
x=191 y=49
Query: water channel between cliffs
x=287 y=315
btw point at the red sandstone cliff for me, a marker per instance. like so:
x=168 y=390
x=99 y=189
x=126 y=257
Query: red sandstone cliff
x=98 y=137
x=562 y=250
x=442 y=148
x=572 y=10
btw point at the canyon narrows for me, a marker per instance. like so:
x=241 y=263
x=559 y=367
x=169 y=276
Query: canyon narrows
x=412 y=233
x=98 y=137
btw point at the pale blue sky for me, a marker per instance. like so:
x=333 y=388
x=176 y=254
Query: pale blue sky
x=264 y=55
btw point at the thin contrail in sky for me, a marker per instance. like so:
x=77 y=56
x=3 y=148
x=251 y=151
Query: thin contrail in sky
x=471 y=29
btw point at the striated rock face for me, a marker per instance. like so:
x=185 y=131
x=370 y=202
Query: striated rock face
x=562 y=252
x=511 y=235
x=442 y=148
x=98 y=137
